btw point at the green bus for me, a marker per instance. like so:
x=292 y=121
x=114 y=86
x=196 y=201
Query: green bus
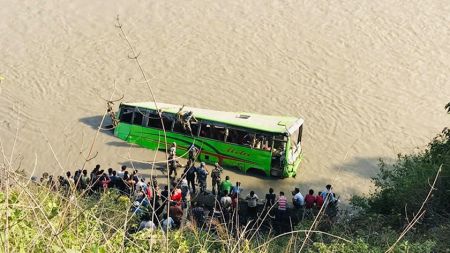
x=247 y=141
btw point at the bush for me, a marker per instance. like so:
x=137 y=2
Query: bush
x=404 y=185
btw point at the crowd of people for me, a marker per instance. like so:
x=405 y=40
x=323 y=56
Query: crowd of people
x=181 y=202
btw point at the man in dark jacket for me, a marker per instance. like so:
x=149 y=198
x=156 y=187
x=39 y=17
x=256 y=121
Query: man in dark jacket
x=190 y=172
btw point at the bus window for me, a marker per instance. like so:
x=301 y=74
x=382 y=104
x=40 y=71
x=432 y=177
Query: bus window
x=178 y=128
x=218 y=133
x=195 y=127
x=212 y=132
x=279 y=143
x=138 y=116
x=262 y=142
x=155 y=122
x=236 y=136
x=249 y=140
x=205 y=131
x=126 y=115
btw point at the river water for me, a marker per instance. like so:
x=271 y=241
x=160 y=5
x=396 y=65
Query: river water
x=370 y=78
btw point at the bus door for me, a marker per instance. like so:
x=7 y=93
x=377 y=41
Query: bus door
x=279 y=143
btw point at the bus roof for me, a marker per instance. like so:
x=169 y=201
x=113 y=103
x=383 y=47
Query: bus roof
x=266 y=123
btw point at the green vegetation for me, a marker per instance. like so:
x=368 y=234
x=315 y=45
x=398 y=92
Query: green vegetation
x=41 y=221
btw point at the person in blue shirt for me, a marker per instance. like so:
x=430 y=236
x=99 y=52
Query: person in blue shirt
x=202 y=174
x=328 y=195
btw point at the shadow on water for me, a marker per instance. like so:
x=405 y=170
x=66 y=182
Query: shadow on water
x=120 y=144
x=365 y=167
x=94 y=122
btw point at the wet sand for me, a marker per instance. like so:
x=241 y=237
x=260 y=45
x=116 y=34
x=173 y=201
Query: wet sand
x=370 y=78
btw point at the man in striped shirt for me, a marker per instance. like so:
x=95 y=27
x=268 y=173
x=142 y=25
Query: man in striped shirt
x=282 y=203
x=281 y=211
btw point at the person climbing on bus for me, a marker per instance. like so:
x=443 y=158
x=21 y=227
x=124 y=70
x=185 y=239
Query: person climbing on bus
x=193 y=152
x=173 y=163
x=173 y=149
x=186 y=120
x=173 y=166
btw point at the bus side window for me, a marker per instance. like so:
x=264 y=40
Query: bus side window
x=262 y=142
x=138 y=116
x=126 y=115
x=195 y=127
x=205 y=131
x=155 y=122
x=279 y=143
x=178 y=128
x=218 y=133
x=236 y=136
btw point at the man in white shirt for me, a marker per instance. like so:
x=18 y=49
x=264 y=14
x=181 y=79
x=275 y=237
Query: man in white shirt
x=252 y=205
x=121 y=173
x=225 y=201
x=141 y=185
x=298 y=200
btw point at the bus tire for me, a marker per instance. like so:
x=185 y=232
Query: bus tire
x=256 y=171
x=276 y=173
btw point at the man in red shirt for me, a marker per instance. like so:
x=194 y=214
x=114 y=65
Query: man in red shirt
x=310 y=200
x=319 y=201
x=176 y=195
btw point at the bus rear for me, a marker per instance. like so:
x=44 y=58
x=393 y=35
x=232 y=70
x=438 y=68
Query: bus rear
x=287 y=151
